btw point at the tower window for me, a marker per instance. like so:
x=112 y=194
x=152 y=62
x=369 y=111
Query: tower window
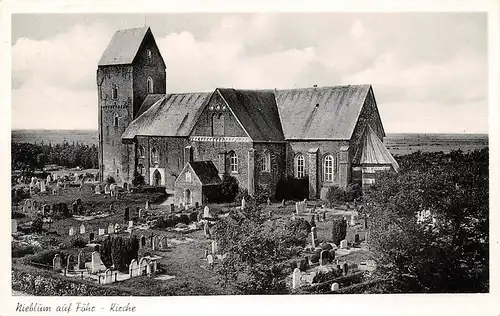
x=116 y=120
x=150 y=85
x=114 y=91
x=150 y=56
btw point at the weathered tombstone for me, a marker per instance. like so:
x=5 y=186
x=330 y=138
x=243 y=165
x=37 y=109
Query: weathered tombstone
x=96 y=262
x=91 y=237
x=172 y=208
x=108 y=276
x=147 y=206
x=283 y=202
x=268 y=201
x=356 y=238
x=42 y=186
x=243 y=203
x=71 y=231
x=345 y=268
x=296 y=278
x=153 y=243
x=111 y=228
x=214 y=247
x=130 y=224
x=343 y=244
x=323 y=257
x=140 y=213
x=297 y=207
x=14 y=225
x=353 y=221
x=206 y=212
x=210 y=260
x=102 y=231
x=48 y=178
x=70 y=264
x=133 y=268
x=335 y=287
x=126 y=215
x=97 y=189
x=106 y=189
x=143 y=266
x=206 y=230
x=81 y=260
x=82 y=229
x=153 y=266
x=56 y=263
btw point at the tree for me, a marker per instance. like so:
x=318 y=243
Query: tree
x=449 y=255
x=138 y=179
x=339 y=230
x=229 y=188
x=37 y=224
x=119 y=252
x=110 y=180
x=255 y=249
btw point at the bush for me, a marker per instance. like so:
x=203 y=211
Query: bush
x=339 y=231
x=335 y=195
x=110 y=180
x=314 y=258
x=17 y=215
x=184 y=219
x=138 y=179
x=292 y=188
x=193 y=217
x=243 y=193
x=37 y=225
x=353 y=192
x=21 y=250
x=229 y=188
x=78 y=242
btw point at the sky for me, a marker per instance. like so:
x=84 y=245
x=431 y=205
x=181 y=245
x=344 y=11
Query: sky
x=429 y=71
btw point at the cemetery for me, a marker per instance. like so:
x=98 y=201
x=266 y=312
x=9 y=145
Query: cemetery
x=175 y=250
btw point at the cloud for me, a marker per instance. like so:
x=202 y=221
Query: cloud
x=418 y=73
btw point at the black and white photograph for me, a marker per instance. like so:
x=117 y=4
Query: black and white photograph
x=242 y=153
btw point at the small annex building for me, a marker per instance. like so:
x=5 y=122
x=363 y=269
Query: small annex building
x=197 y=183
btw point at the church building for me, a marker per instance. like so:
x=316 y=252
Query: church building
x=186 y=142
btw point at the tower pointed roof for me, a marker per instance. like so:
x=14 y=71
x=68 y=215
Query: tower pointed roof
x=123 y=46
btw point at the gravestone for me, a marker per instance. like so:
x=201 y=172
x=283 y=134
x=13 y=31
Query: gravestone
x=82 y=229
x=70 y=264
x=214 y=247
x=345 y=268
x=143 y=241
x=143 y=266
x=147 y=206
x=153 y=265
x=296 y=278
x=314 y=237
x=42 y=186
x=14 y=225
x=97 y=189
x=283 y=203
x=117 y=228
x=71 y=231
x=96 y=262
x=108 y=276
x=153 y=243
x=81 y=260
x=356 y=238
x=56 y=263
x=106 y=189
x=268 y=201
x=91 y=237
x=48 y=178
x=206 y=230
x=162 y=243
x=323 y=257
x=54 y=191
x=126 y=215
x=130 y=225
x=206 y=212
x=102 y=231
x=210 y=260
x=243 y=203
x=335 y=287
x=172 y=208
x=140 y=213
x=297 y=207
x=111 y=228
x=343 y=244
x=133 y=268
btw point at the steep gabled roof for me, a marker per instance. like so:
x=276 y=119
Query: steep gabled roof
x=257 y=112
x=123 y=47
x=321 y=113
x=174 y=115
x=206 y=172
x=149 y=101
x=373 y=151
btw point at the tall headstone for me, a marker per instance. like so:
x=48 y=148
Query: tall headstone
x=243 y=203
x=81 y=260
x=70 y=264
x=343 y=244
x=42 y=186
x=214 y=247
x=56 y=263
x=130 y=224
x=356 y=238
x=96 y=262
x=313 y=237
x=353 y=221
x=210 y=260
x=345 y=268
x=82 y=229
x=323 y=257
x=206 y=212
x=133 y=268
x=297 y=207
x=106 y=189
x=126 y=215
x=111 y=228
x=172 y=208
x=97 y=189
x=71 y=231
x=206 y=230
x=102 y=231
x=108 y=276
x=296 y=278
x=147 y=206
x=366 y=221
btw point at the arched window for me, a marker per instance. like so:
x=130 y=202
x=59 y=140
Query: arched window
x=218 y=124
x=150 y=85
x=114 y=91
x=140 y=152
x=233 y=162
x=154 y=156
x=107 y=130
x=265 y=161
x=116 y=120
x=328 y=168
x=299 y=166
